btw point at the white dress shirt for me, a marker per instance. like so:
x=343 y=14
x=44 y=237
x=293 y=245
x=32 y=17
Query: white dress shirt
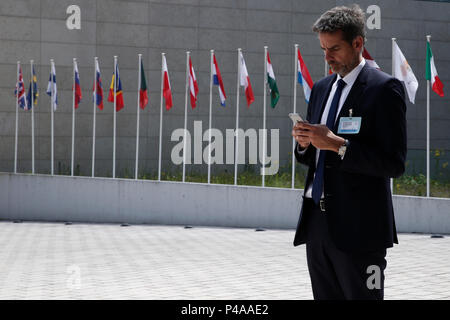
x=349 y=79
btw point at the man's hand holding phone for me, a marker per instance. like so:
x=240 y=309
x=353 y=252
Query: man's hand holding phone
x=298 y=133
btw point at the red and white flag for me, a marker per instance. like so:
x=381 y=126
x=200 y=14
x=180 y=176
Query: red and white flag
x=245 y=81
x=193 y=86
x=369 y=59
x=167 y=92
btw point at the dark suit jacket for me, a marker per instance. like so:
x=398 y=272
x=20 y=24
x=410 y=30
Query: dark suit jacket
x=357 y=190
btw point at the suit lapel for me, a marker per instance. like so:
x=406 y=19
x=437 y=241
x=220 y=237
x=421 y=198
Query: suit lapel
x=322 y=102
x=353 y=96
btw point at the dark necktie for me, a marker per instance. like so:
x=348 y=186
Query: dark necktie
x=318 y=178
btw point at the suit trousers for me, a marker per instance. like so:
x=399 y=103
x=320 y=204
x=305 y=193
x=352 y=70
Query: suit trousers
x=335 y=274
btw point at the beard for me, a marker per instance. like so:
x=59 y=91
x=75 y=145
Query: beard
x=344 y=68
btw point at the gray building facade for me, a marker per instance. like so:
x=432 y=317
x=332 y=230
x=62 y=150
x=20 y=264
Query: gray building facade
x=36 y=29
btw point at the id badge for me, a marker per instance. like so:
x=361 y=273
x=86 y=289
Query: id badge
x=349 y=125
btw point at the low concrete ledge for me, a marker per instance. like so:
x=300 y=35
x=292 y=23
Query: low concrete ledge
x=85 y=199
x=106 y=200
x=423 y=215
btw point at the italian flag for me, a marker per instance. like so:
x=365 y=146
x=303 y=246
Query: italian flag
x=431 y=73
x=274 y=94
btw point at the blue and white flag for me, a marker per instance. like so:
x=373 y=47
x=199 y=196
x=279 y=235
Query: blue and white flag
x=52 y=90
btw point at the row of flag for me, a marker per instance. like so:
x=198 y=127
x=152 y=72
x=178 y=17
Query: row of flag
x=115 y=89
x=401 y=70
x=24 y=101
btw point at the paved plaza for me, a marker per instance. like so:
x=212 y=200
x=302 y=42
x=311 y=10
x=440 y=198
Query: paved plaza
x=106 y=261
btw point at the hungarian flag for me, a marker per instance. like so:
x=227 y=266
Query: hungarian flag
x=369 y=60
x=98 y=92
x=193 y=85
x=274 y=93
x=116 y=88
x=77 y=89
x=245 y=81
x=431 y=73
x=20 y=91
x=303 y=77
x=143 y=95
x=217 y=80
x=33 y=85
x=167 y=92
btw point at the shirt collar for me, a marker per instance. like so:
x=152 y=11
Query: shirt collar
x=350 y=78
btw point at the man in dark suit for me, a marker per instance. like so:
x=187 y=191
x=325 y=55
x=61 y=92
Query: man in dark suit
x=354 y=141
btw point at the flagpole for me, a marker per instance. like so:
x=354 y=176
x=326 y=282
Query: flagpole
x=264 y=118
x=185 y=114
x=210 y=115
x=161 y=116
x=428 y=132
x=73 y=117
x=393 y=74
x=295 y=108
x=32 y=116
x=17 y=118
x=327 y=67
x=93 y=117
x=237 y=118
x=52 y=106
x=137 y=119
x=115 y=103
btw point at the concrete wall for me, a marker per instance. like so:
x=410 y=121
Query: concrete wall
x=81 y=199
x=36 y=29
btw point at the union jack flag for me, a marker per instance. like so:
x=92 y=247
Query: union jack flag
x=20 y=91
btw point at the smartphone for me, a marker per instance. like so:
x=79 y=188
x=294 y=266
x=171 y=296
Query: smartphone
x=295 y=117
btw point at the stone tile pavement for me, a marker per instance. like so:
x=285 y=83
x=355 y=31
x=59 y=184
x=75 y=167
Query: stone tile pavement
x=105 y=261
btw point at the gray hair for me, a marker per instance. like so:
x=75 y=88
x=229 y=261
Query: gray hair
x=351 y=20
